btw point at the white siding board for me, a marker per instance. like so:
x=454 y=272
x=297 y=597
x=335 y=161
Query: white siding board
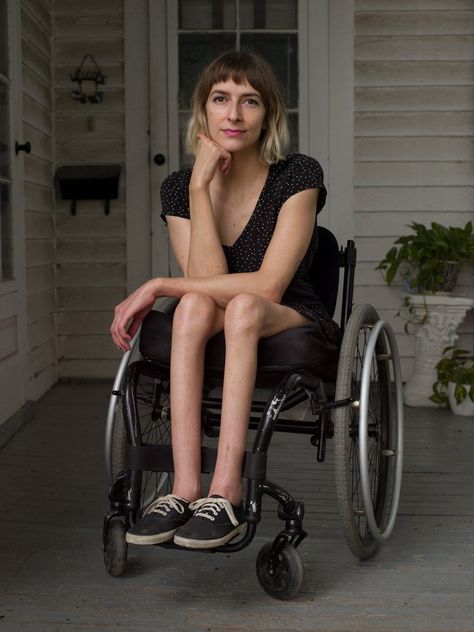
x=90 y=251
x=108 y=7
x=103 y=150
x=89 y=25
x=37 y=115
x=424 y=98
x=90 y=274
x=36 y=88
x=40 y=279
x=39 y=225
x=36 y=32
x=439 y=148
x=82 y=225
x=369 y=123
x=88 y=346
x=410 y=23
x=98 y=368
x=39 y=197
x=86 y=322
x=98 y=126
x=440 y=198
x=41 y=143
x=412 y=5
x=89 y=299
x=417 y=73
x=40 y=252
x=388 y=223
x=41 y=304
x=41 y=331
x=38 y=170
x=407 y=48
x=414 y=174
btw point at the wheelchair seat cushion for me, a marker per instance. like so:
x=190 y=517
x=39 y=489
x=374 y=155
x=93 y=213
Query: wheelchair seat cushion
x=301 y=348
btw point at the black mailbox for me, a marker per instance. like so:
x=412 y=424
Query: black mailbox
x=89 y=182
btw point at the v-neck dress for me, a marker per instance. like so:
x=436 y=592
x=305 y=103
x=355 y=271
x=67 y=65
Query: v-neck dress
x=295 y=173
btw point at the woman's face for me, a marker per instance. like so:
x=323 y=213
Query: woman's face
x=235 y=116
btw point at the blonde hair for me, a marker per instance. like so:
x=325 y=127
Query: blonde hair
x=240 y=67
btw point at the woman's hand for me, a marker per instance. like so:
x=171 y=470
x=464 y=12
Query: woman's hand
x=209 y=157
x=130 y=313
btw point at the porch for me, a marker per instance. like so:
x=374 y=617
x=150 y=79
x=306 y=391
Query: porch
x=52 y=575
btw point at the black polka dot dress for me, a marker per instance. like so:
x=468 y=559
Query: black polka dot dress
x=286 y=178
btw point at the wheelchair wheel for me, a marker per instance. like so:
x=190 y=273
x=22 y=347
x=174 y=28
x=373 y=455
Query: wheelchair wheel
x=380 y=439
x=115 y=548
x=153 y=405
x=280 y=576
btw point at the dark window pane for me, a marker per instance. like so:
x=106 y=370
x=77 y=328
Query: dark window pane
x=3 y=38
x=207 y=14
x=6 y=258
x=268 y=14
x=294 y=132
x=4 y=132
x=196 y=51
x=185 y=160
x=281 y=51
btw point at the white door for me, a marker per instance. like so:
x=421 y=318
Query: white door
x=309 y=45
x=12 y=279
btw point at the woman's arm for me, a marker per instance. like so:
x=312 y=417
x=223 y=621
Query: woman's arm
x=287 y=248
x=196 y=243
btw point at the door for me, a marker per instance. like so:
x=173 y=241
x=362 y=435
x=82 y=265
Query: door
x=309 y=43
x=191 y=35
x=12 y=279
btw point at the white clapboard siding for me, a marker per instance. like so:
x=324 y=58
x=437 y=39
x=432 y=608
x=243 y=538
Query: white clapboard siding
x=39 y=208
x=90 y=246
x=414 y=137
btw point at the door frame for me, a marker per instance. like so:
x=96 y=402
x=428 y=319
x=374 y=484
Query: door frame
x=327 y=117
x=13 y=321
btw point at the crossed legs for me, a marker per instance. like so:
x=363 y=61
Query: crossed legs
x=246 y=319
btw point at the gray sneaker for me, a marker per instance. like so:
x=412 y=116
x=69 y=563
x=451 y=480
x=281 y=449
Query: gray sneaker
x=215 y=522
x=160 y=521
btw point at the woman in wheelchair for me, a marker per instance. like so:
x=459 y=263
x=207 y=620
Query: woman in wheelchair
x=242 y=225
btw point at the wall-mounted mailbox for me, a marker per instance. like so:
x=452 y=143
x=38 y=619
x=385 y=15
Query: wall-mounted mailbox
x=89 y=182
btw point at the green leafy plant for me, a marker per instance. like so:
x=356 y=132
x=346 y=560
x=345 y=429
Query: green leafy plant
x=457 y=366
x=421 y=257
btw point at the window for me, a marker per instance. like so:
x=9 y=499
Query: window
x=6 y=258
x=211 y=27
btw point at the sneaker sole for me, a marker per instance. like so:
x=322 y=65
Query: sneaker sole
x=131 y=538
x=209 y=544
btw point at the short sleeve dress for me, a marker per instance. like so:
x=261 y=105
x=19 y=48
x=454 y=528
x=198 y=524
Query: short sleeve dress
x=295 y=173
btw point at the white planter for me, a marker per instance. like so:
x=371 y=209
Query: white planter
x=465 y=408
x=444 y=314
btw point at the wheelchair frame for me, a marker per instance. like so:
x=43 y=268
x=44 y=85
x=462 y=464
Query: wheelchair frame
x=279 y=567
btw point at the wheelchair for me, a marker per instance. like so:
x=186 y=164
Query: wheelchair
x=352 y=392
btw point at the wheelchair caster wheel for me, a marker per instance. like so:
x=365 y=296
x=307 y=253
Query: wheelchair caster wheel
x=115 y=548
x=280 y=576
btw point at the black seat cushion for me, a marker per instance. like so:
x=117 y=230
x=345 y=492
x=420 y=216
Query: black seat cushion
x=300 y=348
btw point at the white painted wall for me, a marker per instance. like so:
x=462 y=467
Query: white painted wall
x=413 y=136
x=90 y=246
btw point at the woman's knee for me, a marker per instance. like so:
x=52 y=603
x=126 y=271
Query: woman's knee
x=194 y=314
x=245 y=314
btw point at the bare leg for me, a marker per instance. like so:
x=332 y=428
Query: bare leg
x=248 y=318
x=197 y=318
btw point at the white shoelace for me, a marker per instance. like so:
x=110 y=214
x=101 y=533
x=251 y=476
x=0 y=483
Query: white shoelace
x=164 y=504
x=209 y=508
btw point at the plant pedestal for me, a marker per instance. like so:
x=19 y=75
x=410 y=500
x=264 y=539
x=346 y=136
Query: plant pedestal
x=445 y=313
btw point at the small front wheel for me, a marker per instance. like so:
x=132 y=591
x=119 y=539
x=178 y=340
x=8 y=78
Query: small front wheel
x=281 y=576
x=115 y=548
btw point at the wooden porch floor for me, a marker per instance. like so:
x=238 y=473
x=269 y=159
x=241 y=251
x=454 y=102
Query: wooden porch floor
x=54 y=496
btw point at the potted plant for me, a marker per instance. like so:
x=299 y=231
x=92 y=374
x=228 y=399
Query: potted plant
x=429 y=259
x=455 y=381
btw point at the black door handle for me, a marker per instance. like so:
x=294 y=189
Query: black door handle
x=159 y=159
x=26 y=147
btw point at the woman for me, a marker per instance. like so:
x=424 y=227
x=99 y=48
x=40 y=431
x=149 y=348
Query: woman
x=242 y=228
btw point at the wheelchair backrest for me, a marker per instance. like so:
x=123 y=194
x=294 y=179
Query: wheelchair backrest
x=324 y=271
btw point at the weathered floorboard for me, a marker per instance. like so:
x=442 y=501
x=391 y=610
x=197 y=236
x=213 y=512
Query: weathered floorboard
x=52 y=576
